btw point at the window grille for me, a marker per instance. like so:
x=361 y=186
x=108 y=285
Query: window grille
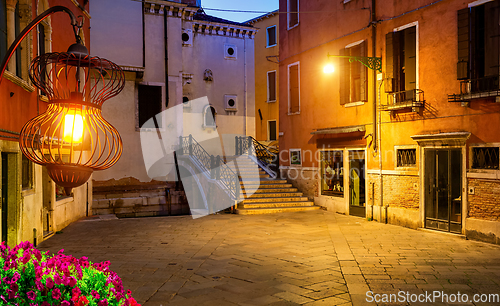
x=406 y=157
x=485 y=158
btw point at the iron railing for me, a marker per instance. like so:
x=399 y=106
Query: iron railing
x=266 y=155
x=404 y=99
x=477 y=88
x=211 y=164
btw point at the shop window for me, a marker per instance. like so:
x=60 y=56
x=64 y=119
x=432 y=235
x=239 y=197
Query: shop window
x=353 y=82
x=406 y=157
x=271 y=36
x=485 y=158
x=149 y=104
x=332 y=173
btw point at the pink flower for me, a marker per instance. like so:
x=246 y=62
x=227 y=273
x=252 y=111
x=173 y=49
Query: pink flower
x=50 y=283
x=65 y=303
x=103 y=303
x=31 y=295
x=56 y=294
x=95 y=295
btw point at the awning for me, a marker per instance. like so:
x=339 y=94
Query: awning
x=340 y=130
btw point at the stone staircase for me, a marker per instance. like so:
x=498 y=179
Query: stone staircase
x=263 y=195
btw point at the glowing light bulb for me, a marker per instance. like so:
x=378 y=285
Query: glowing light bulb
x=328 y=68
x=73 y=128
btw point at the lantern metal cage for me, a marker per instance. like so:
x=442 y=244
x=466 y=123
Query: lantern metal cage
x=71 y=138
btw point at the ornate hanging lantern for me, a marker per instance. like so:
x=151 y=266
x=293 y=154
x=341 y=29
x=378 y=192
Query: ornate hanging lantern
x=71 y=138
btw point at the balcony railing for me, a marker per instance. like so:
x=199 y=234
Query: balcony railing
x=476 y=89
x=413 y=99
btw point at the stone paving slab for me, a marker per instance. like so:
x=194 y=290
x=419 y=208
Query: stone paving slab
x=301 y=258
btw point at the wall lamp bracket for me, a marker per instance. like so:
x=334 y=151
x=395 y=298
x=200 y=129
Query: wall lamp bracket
x=374 y=63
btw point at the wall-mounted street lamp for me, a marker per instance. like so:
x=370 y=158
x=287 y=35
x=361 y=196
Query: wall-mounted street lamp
x=71 y=138
x=374 y=63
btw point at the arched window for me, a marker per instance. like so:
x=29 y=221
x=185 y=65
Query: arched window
x=209 y=116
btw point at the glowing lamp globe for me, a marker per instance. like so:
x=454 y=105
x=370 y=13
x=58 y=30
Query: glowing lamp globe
x=71 y=138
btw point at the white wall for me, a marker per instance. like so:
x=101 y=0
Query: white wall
x=116 y=31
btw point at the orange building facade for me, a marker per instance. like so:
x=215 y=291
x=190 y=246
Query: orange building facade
x=266 y=77
x=403 y=131
x=33 y=207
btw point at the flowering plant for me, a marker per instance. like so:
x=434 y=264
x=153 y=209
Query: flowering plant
x=34 y=278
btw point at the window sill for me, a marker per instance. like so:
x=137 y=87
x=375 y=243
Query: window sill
x=28 y=192
x=294 y=26
x=483 y=174
x=270 y=46
x=297 y=113
x=272 y=101
x=150 y=130
x=352 y=104
x=18 y=81
x=64 y=200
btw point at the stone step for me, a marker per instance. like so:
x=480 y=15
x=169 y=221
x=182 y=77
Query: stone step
x=265 y=186
x=273 y=190
x=252 y=176
x=273 y=195
x=276 y=204
x=264 y=182
x=272 y=210
x=279 y=199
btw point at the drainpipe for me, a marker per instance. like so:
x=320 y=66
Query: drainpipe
x=165 y=30
x=245 y=87
x=373 y=21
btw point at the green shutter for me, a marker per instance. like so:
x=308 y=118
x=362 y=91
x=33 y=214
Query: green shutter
x=389 y=62
x=463 y=44
x=344 y=76
x=363 y=73
x=410 y=55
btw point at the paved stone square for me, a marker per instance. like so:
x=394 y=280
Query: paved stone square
x=306 y=258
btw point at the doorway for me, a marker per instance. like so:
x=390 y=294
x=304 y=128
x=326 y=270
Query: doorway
x=9 y=197
x=443 y=190
x=357 y=183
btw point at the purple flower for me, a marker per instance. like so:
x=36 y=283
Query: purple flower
x=56 y=294
x=31 y=295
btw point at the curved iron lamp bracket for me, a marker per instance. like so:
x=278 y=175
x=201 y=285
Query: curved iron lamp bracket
x=31 y=26
x=374 y=63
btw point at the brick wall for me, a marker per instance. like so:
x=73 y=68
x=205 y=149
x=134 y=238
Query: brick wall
x=400 y=191
x=484 y=203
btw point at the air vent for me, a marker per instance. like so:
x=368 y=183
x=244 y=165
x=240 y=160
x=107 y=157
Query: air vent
x=187 y=37
x=231 y=103
x=229 y=51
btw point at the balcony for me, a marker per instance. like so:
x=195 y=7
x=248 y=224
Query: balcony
x=406 y=99
x=477 y=89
